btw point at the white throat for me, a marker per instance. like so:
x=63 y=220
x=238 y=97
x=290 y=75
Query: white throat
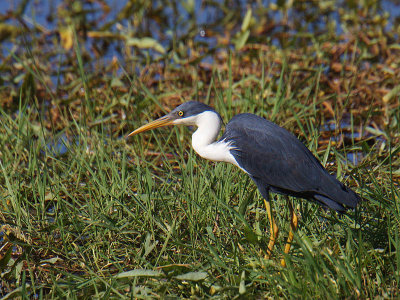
x=203 y=139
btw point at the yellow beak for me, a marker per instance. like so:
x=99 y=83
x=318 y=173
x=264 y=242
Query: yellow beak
x=163 y=121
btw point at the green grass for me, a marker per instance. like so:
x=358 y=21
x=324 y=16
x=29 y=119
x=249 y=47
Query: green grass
x=105 y=207
x=146 y=217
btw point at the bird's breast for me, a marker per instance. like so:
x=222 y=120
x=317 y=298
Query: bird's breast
x=217 y=151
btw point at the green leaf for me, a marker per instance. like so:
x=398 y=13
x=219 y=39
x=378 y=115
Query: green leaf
x=148 y=246
x=146 y=43
x=393 y=93
x=242 y=39
x=242 y=285
x=6 y=258
x=375 y=131
x=188 y=5
x=116 y=82
x=51 y=260
x=246 y=20
x=139 y=273
x=192 y=276
x=8 y=30
x=250 y=235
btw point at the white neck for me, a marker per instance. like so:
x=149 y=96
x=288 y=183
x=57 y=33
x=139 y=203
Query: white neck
x=209 y=125
x=203 y=139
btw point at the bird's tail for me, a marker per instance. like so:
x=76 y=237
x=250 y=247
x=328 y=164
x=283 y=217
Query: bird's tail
x=339 y=198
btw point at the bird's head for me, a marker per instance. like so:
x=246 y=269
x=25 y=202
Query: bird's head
x=188 y=113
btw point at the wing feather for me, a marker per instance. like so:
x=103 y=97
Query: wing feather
x=279 y=160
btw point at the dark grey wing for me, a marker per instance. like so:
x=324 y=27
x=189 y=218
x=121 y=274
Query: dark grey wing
x=275 y=157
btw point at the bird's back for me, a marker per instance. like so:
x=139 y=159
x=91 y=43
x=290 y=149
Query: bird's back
x=275 y=157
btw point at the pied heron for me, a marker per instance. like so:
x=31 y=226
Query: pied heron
x=273 y=157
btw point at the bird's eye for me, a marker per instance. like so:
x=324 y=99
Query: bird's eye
x=180 y=113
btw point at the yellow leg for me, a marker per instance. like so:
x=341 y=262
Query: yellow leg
x=293 y=227
x=274 y=230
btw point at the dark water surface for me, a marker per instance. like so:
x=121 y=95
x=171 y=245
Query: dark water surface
x=170 y=22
